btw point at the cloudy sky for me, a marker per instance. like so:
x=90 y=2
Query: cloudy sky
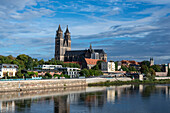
x=125 y=29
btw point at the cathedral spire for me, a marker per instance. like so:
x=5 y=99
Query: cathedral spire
x=59 y=28
x=90 y=46
x=67 y=31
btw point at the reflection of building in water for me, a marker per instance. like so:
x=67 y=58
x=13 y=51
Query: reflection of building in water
x=115 y=92
x=73 y=98
x=163 y=90
x=140 y=88
x=8 y=106
x=111 y=95
x=61 y=104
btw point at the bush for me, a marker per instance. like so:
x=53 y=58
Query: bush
x=48 y=75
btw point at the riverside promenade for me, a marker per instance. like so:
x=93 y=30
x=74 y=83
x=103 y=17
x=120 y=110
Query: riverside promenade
x=25 y=85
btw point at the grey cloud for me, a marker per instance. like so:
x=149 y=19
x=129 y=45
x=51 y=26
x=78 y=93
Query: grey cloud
x=155 y=43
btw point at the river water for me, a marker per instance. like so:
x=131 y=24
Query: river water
x=113 y=99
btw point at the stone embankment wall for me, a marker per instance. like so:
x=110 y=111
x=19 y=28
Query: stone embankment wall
x=25 y=85
x=96 y=80
x=39 y=84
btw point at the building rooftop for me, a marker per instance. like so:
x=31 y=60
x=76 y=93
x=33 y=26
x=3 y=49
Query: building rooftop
x=91 y=61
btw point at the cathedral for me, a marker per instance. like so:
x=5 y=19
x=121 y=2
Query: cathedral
x=64 y=53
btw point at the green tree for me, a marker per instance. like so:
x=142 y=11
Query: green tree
x=91 y=72
x=29 y=63
x=168 y=72
x=156 y=68
x=84 y=72
x=132 y=68
x=41 y=62
x=144 y=69
x=124 y=68
x=116 y=66
x=48 y=75
x=147 y=63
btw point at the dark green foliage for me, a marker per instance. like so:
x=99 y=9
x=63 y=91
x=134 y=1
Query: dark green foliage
x=168 y=72
x=124 y=68
x=132 y=68
x=116 y=66
x=147 y=63
x=84 y=72
x=156 y=68
x=26 y=62
x=48 y=75
x=66 y=76
x=149 y=72
x=144 y=69
x=108 y=83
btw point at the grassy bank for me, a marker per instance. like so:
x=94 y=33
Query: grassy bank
x=108 y=83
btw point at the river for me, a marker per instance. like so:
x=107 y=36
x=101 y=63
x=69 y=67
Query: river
x=113 y=99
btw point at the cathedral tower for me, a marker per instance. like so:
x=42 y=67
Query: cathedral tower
x=62 y=44
x=151 y=62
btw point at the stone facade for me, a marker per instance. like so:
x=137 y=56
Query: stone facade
x=63 y=50
x=62 y=44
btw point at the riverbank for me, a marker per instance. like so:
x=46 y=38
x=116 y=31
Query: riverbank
x=110 y=83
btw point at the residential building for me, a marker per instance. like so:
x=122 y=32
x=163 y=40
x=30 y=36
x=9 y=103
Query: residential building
x=48 y=67
x=72 y=72
x=128 y=63
x=108 y=66
x=58 y=69
x=8 y=70
x=132 y=63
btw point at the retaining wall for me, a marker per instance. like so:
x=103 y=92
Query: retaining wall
x=39 y=84
x=25 y=85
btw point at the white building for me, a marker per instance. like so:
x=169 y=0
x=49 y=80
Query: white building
x=48 y=67
x=72 y=72
x=108 y=66
x=8 y=70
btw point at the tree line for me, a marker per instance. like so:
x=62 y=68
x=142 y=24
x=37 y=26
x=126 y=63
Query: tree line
x=25 y=62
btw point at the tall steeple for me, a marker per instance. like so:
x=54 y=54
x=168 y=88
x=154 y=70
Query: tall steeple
x=59 y=32
x=90 y=46
x=59 y=28
x=67 y=31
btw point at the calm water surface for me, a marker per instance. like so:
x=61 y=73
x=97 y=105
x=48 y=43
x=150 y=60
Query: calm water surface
x=114 y=99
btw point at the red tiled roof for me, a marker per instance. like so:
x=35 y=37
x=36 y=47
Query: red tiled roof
x=92 y=61
x=130 y=62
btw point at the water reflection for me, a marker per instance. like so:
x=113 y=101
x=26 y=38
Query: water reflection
x=102 y=100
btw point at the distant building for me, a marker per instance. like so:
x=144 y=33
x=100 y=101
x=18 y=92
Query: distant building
x=64 y=53
x=128 y=63
x=8 y=70
x=108 y=66
x=57 y=69
x=89 y=63
x=48 y=67
x=72 y=72
x=164 y=70
x=151 y=62
x=119 y=65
